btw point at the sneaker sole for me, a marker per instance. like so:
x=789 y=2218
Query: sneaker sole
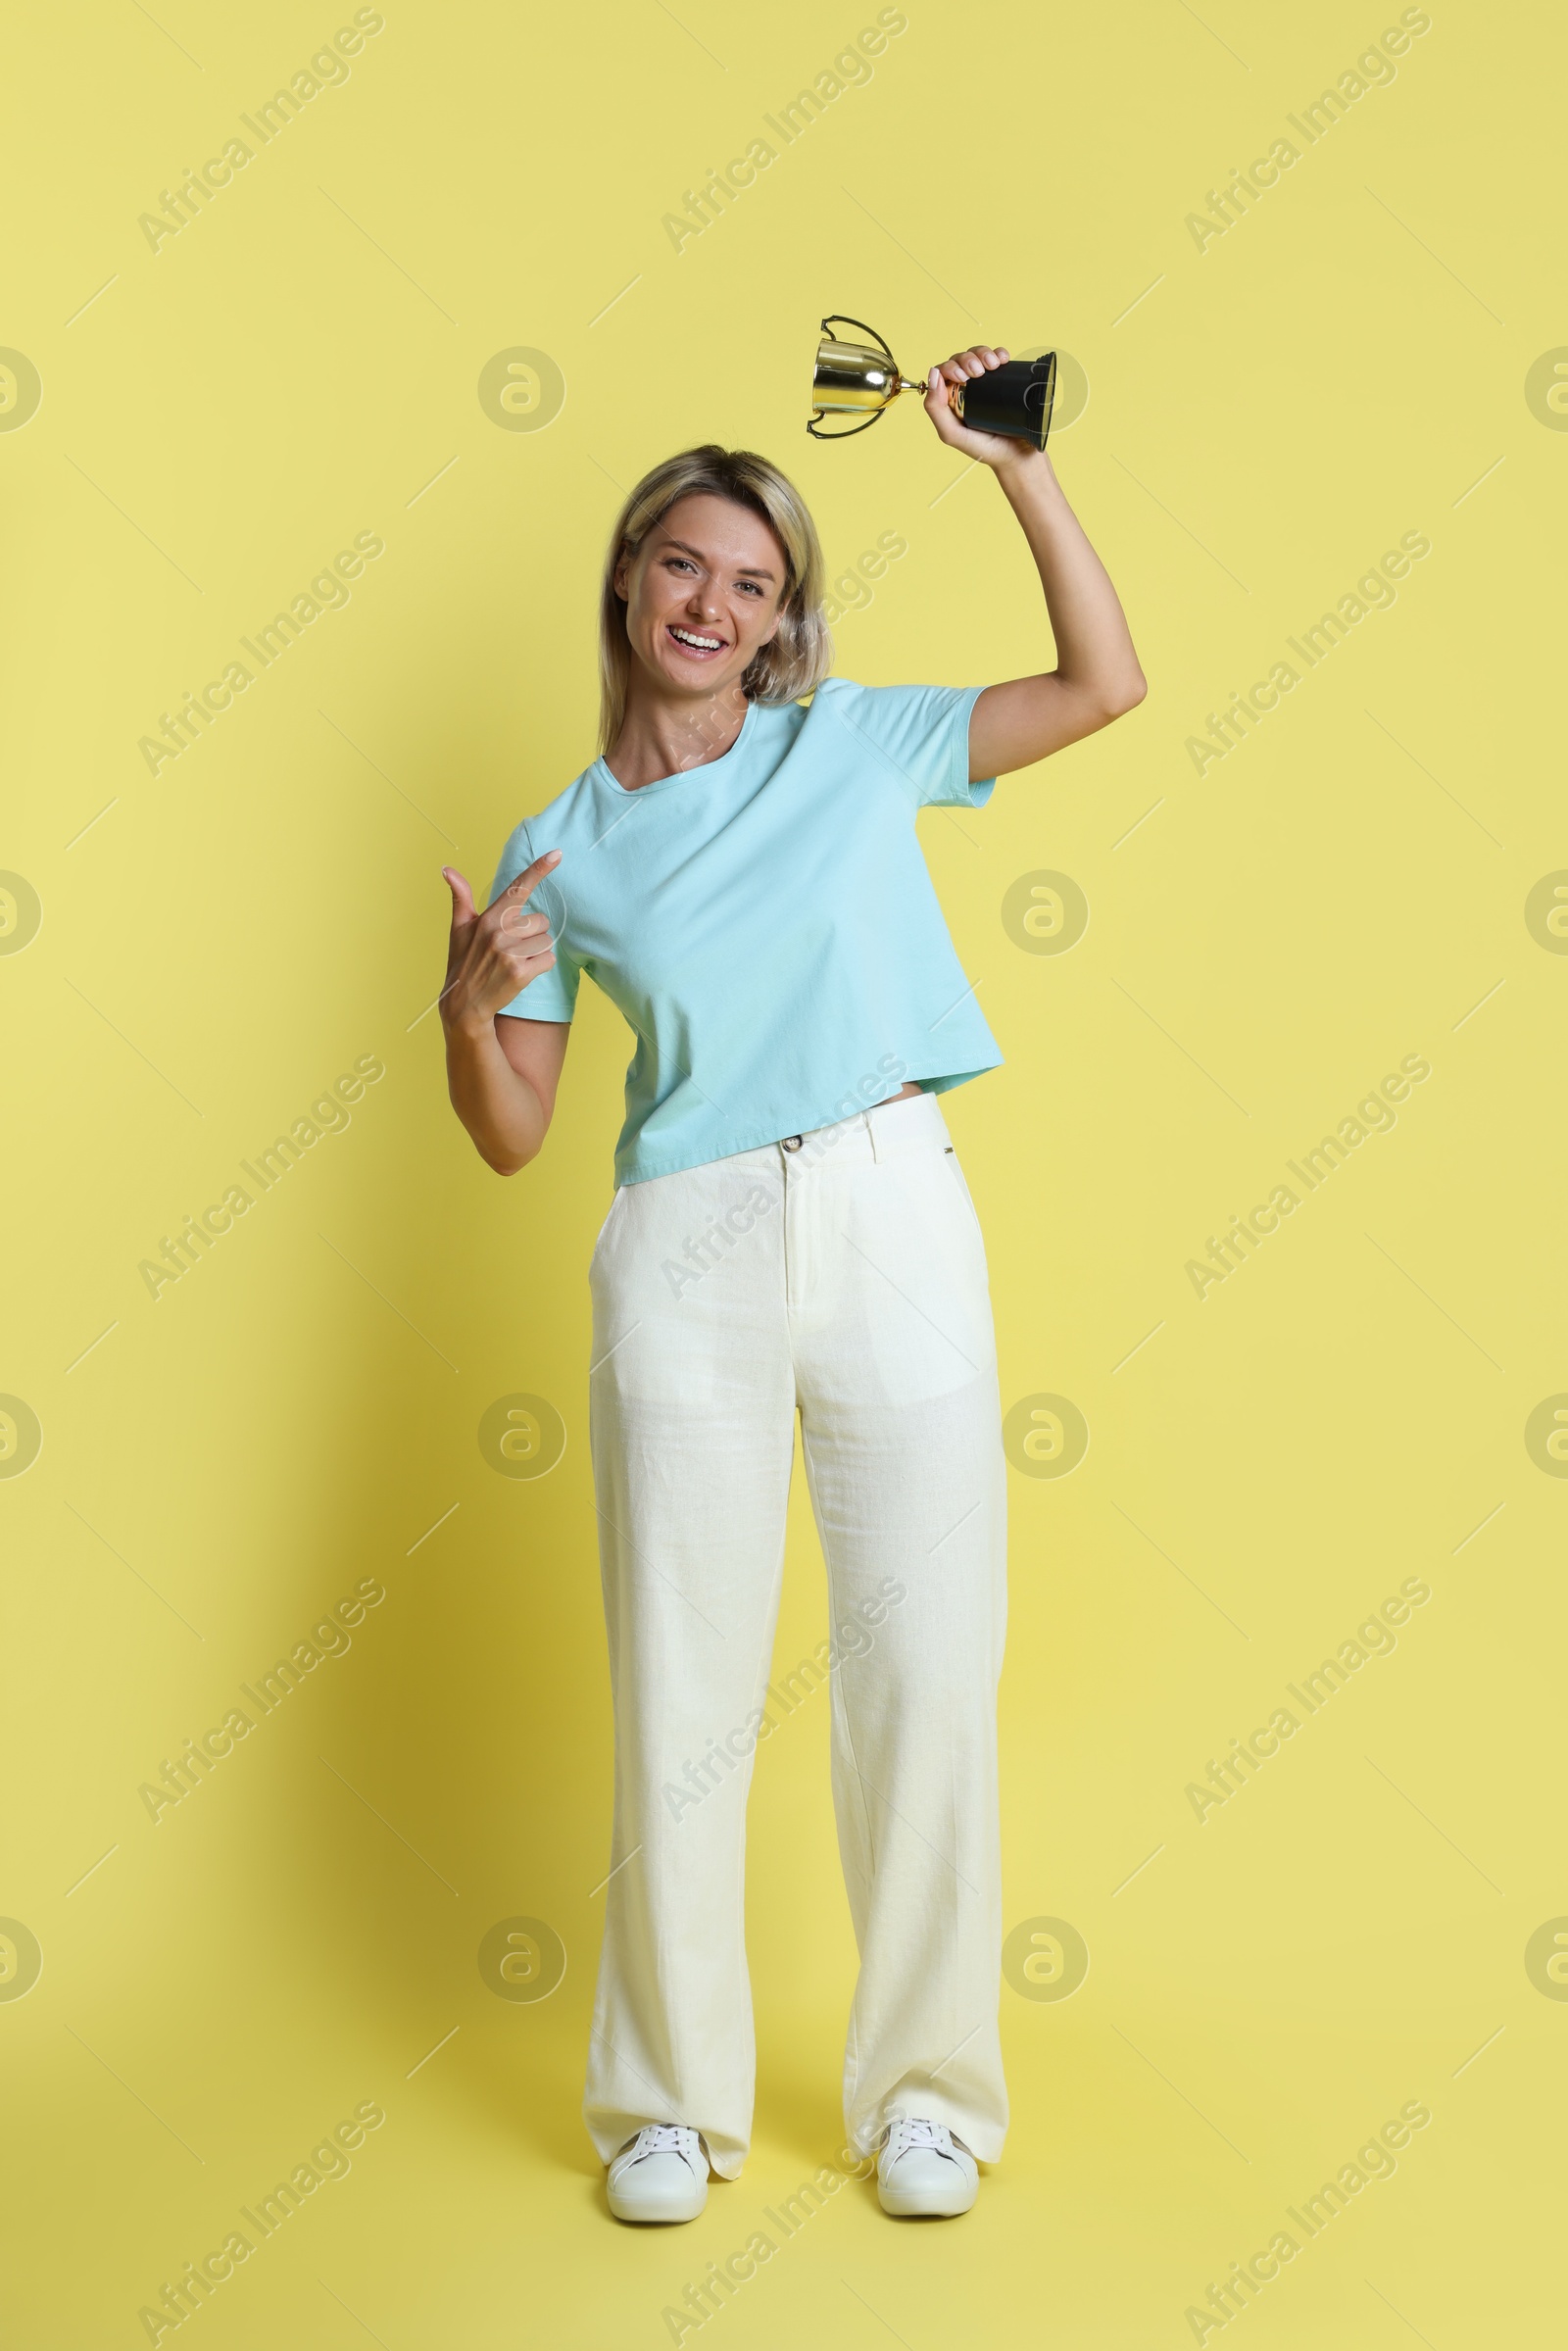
x=625 y=2209
x=911 y=2205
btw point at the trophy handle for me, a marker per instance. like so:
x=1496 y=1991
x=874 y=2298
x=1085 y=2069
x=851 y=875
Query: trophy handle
x=837 y=319
x=849 y=432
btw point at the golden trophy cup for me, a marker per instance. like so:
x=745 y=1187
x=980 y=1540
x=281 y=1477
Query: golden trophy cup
x=863 y=379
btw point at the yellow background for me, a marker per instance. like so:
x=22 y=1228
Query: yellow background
x=219 y=942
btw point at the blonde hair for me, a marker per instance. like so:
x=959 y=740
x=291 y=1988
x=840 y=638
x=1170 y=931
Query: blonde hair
x=801 y=652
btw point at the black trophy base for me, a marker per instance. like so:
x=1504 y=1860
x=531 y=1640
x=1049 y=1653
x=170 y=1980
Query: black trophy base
x=1013 y=399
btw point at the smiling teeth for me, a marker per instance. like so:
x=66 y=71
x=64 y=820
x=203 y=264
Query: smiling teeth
x=686 y=637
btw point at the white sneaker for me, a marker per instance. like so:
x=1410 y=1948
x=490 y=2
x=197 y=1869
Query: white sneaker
x=924 y=2172
x=662 y=2175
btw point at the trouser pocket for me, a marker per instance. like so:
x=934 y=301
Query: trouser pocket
x=960 y=1183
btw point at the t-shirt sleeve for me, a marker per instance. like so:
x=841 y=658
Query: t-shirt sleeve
x=922 y=733
x=553 y=995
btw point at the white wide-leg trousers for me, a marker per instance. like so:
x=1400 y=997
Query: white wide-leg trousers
x=842 y=1274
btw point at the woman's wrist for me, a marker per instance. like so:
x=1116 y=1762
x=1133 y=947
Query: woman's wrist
x=1031 y=468
x=464 y=1025
x=1038 y=501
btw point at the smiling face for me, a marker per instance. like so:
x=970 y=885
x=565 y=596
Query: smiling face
x=703 y=595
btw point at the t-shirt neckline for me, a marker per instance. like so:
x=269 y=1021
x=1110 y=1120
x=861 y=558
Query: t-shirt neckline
x=662 y=783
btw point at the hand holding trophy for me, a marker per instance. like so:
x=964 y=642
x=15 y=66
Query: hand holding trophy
x=976 y=396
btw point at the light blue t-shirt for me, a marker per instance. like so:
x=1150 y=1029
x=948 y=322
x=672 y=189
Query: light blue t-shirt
x=765 y=922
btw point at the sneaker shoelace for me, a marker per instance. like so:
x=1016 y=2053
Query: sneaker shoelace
x=914 y=2130
x=660 y=2139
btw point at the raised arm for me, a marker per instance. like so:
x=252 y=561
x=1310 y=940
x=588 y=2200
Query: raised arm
x=1096 y=677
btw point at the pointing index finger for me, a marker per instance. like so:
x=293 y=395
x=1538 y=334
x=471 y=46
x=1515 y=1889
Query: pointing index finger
x=531 y=875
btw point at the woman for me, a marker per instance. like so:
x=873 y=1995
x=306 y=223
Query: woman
x=740 y=872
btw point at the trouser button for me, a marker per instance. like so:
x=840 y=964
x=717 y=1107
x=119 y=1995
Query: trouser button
x=791 y=1143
